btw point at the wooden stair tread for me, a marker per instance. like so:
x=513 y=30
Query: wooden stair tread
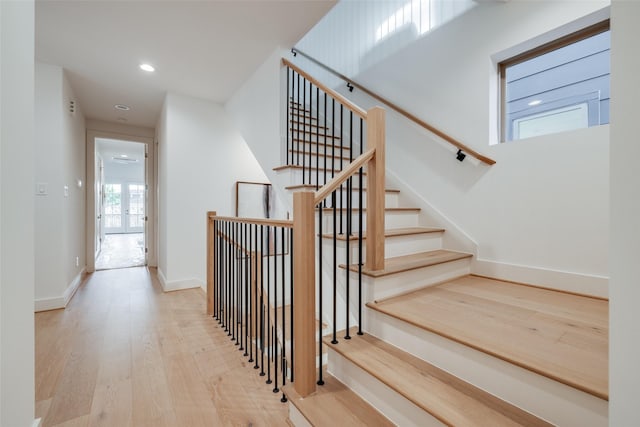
x=392 y=232
x=444 y=396
x=411 y=262
x=558 y=335
x=335 y=404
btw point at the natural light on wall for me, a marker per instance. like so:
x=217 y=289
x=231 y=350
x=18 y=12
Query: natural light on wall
x=422 y=15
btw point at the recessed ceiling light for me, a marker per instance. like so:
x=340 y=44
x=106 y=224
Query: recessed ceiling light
x=122 y=107
x=123 y=155
x=147 y=67
x=535 y=102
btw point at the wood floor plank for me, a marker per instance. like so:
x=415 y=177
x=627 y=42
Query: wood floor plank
x=541 y=330
x=137 y=356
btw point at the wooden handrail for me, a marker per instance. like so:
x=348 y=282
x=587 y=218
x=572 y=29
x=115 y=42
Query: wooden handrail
x=341 y=99
x=400 y=110
x=286 y=223
x=353 y=167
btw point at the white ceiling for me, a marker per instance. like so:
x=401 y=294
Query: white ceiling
x=205 y=48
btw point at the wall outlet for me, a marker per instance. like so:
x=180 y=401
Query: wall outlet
x=77 y=261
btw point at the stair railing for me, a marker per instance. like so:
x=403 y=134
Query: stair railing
x=261 y=273
x=463 y=150
x=250 y=293
x=336 y=204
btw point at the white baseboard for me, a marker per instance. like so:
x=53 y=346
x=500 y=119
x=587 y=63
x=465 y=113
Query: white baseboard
x=177 y=285
x=54 y=303
x=584 y=284
x=36 y=422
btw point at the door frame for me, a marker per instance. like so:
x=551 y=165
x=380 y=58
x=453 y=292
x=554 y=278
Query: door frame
x=150 y=206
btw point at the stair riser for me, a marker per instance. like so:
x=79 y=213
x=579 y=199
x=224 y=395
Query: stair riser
x=548 y=399
x=393 y=246
x=296 y=177
x=331 y=150
x=391 y=200
x=313 y=134
x=317 y=159
x=407 y=281
x=296 y=418
x=393 y=219
x=390 y=403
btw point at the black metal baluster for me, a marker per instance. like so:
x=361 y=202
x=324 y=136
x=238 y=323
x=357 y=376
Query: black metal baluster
x=256 y=308
x=268 y=306
x=333 y=140
x=251 y=307
x=318 y=138
x=227 y=327
x=304 y=135
x=291 y=301
x=360 y=233
x=284 y=314
x=320 y=380
x=247 y=258
x=289 y=118
x=335 y=268
x=275 y=310
x=262 y=373
x=326 y=131
x=341 y=148
x=236 y=283
x=298 y=124
x=216 y=266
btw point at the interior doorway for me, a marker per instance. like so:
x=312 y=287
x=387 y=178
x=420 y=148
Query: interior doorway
x=120 y=203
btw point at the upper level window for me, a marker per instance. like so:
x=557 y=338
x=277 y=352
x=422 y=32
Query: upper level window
x=560 y=86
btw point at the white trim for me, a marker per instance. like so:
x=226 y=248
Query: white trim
x=177 y=285
x=586 y=284
x=73 y=286
x=36 y=422
x=54 y=303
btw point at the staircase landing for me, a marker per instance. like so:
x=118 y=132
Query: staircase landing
x=555 y=334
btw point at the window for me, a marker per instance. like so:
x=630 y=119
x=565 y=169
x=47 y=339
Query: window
x=560 y=86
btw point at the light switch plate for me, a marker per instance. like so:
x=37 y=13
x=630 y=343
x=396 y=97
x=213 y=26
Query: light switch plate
x=41 y=189
x=66 y=191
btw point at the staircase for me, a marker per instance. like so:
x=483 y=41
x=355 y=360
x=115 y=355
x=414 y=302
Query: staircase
x=443 y=346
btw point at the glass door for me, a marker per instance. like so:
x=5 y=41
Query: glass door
x=113 y=211
x=135 y=208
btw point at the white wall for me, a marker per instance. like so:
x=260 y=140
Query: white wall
x=16 y=213
x=624 y=347
x=540 y=214
x=256 y=110
x=60 y=164
x=201 y=156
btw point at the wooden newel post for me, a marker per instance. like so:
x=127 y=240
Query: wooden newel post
x=304 y=293
x=375 y=189
x=211 y=260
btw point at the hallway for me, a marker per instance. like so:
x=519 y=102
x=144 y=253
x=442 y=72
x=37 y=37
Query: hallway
x=123 y=353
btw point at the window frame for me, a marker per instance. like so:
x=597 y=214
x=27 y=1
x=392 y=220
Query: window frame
x=558 y=43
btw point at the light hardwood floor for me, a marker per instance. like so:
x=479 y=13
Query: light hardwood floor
x=123 y=353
